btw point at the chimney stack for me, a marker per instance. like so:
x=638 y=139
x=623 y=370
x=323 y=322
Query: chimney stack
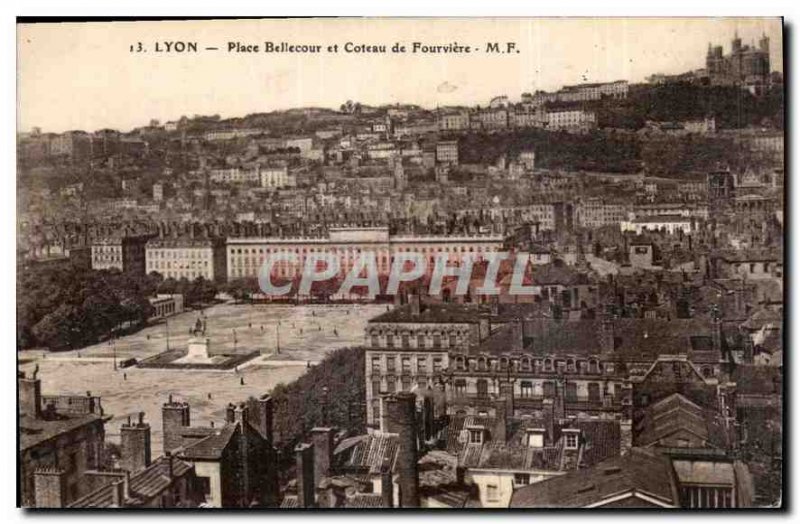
x=240 y=414
x=416 y=304
x=50 y=487
x=304 y=456
x=428 y=417
x=265 y=415
x=323 y=453
x=174 y=417
x=118 y=493
x=135 y=444
x=387 y=483
x=507 y=394
x=230 y=416
x=170 y=466
x=403 y=418
x=606 y=337
x=516 y=336
x=30 y=395
x=501 y=421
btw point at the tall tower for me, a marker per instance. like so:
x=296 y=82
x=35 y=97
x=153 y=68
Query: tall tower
x=763 y=43
x=736 y=44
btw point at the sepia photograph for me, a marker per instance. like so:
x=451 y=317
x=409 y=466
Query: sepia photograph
x=400 y=263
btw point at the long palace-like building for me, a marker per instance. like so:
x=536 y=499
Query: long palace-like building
x=245 y=256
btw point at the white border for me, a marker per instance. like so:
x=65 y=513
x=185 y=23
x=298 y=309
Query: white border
x=494 y=8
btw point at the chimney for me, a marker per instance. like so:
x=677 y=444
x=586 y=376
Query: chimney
x=50 y=487
x=416 y=305
x=625 y=436
x=626 y=423
x=387 y=484
x=174 y=417
x=385 y=424
x=403 y=418
x=507 y=394
x=428 y=417
x=170 y=466
x=460 y=475
x=265 y=414
x=30 y=394
x=501 y=421
x=516 y=344
x=606 y=335
x=135 y=444
x=118 y=493
x=240 y=415
x=230 y=411
x=304 y=456
x=323 y=452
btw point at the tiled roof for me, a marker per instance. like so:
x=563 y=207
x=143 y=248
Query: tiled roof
x=364 y=501
x=757 y=380
x=676 y=413
x=634 y=337
x=212 y=446
x=34 y=431
x=640 y=470
x=433 y=313
x=289 y=502
x=369 y=454
x=144 y=485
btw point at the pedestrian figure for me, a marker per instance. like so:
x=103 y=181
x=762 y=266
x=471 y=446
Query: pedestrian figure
x=209 y=396
x=241 y=381
x=124 y=376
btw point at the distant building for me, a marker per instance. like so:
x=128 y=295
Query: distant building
x=123 y=252
x=454 y=121
x=669 y=223
x=186 y=257
x=166 y=306
x=746 y=66
x=447 y=152
x=276 y=177
x=573 y=120
x=60 y=441
x=73 y=145
x=235 y=463
x=528 y=159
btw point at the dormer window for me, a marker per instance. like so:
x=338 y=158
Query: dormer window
x=571 y=439
x=475 y=436
x=535 y=438
x=548 y=365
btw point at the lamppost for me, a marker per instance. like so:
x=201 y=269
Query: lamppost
x=166 y=327
x=325 y=406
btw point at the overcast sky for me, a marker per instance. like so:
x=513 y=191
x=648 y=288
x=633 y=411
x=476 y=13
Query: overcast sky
x=83 y=76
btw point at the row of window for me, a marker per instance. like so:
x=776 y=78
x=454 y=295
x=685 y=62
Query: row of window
x=189 y=264
x=527 y=390
x=569 y=365
x=421 y=365
x=404 y=340
x=179 y=253
x=351 y=249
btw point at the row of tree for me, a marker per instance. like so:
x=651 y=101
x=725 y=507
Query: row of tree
x=71 y=307
x=330 y=394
